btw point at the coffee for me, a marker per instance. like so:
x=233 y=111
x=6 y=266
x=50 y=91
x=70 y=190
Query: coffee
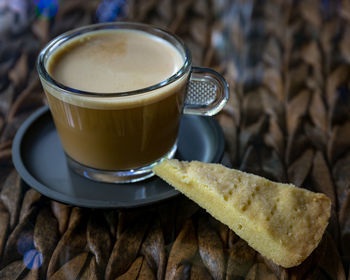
x=114 y=61
x=116 y=93
x=112 y=132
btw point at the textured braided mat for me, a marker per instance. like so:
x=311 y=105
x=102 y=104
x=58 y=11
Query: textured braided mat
x=288 y=119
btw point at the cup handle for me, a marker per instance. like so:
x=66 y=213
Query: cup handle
x=207 y=92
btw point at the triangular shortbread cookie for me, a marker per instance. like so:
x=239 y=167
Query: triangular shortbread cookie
x=282 y=222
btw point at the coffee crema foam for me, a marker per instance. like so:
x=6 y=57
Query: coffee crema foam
x=115 y=61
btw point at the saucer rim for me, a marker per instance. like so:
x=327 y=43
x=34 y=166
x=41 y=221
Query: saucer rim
x=29 y=179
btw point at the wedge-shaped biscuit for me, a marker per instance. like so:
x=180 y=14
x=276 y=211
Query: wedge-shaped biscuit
x=282 y=222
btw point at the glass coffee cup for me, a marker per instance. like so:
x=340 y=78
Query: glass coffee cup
x=117 y=91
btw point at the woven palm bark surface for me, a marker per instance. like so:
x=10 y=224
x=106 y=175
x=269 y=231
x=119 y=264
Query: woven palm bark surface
x=288 y=119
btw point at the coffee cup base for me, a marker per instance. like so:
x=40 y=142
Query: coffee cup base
x=117 y=176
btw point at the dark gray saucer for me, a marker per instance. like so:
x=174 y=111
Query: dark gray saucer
x=39 y=159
